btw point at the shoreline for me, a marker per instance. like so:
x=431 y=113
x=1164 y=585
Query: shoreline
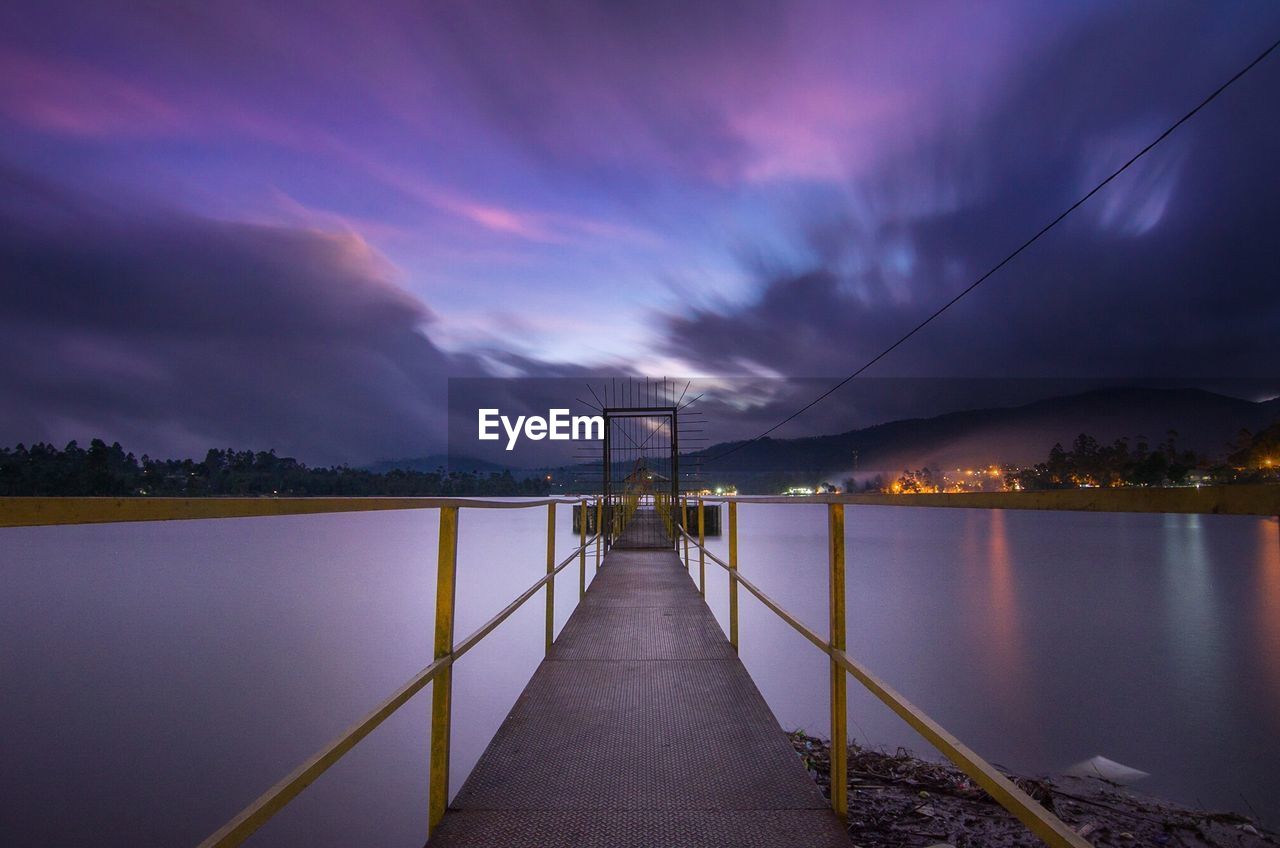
x=899 y=800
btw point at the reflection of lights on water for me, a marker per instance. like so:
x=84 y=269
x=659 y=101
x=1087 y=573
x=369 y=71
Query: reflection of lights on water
x=1003 y=630
x=1192 y=602
x=1268 y=612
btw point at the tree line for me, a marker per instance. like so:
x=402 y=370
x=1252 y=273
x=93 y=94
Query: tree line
x=109 y=471
x=1251 y=458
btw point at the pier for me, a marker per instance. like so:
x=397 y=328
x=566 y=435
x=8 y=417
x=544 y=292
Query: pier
x=596 y=749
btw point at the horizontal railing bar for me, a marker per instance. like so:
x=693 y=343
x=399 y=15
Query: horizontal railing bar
x=252 y=817
x=802 y=629
x=260 y=811
x=1212 y=500
x=485 y=629
x=47 y=511
x=1031 y=813
x=1039 y=820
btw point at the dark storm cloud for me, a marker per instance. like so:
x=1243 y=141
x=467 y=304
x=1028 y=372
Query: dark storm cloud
x=546 y=177
x=620 y=85
x=1171 y=271
x=173 y=333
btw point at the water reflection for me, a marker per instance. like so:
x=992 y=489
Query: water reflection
x=1268 y=611
x=200 y=661
x=1193 y=615
x=1002 y=630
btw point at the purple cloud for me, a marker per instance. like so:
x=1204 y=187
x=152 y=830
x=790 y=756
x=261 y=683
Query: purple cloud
x=1164 y=274
x=716 y=187
x=174 y=333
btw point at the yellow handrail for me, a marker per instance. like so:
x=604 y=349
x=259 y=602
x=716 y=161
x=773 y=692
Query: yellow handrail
x=41 y=511
x=266 y=805
x=1039 y=820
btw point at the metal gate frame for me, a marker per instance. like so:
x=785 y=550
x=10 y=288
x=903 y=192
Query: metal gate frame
x=613 y=498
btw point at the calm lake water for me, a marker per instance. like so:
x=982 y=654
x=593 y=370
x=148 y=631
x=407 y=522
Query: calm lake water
x=157 y=677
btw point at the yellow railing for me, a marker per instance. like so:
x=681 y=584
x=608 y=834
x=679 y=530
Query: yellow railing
x=27 y=512
x=1232 y=500
x=622 y=507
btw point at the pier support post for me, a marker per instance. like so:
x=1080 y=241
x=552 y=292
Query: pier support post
x=599 y=530
x=442 y=686
x=551 y=580
x=839 y=708
x=733 y=575
x=582 y=550
x=702 y=550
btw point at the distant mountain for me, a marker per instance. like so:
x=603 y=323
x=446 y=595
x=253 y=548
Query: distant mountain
x=459 y=464
x=1205 y=422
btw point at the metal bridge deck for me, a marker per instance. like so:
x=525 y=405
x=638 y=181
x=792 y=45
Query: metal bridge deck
x=644 y=530
x=642 y=728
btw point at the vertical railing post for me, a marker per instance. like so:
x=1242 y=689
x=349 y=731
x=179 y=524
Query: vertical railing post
x=702 y=550
x=684 y=522
x=733 y=574
x=839 y=708
x=442 y=686
x=582 y=550
x=599 y=530
x=551 y=567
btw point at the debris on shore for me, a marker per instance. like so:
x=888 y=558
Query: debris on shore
x=901 y=801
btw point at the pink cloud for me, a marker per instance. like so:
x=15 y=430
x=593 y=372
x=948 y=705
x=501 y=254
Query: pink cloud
x=530 y=225
x=75 y=99
x=68 y=97
x=818 y=132
x=284 y=208
x=72 y=98
x=495 y=218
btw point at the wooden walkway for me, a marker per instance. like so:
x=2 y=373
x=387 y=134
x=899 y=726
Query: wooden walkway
x=642 y=728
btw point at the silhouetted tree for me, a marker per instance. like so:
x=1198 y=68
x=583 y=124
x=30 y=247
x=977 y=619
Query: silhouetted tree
x=110 y=471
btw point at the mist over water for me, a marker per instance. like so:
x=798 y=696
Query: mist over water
x=160 y=676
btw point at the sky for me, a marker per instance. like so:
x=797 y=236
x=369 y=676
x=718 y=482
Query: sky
x=288 y=225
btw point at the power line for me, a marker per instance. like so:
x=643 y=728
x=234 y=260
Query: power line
x=1046 y=228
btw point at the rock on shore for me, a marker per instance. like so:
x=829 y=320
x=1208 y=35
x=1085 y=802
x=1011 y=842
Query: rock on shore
x=901 y=801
